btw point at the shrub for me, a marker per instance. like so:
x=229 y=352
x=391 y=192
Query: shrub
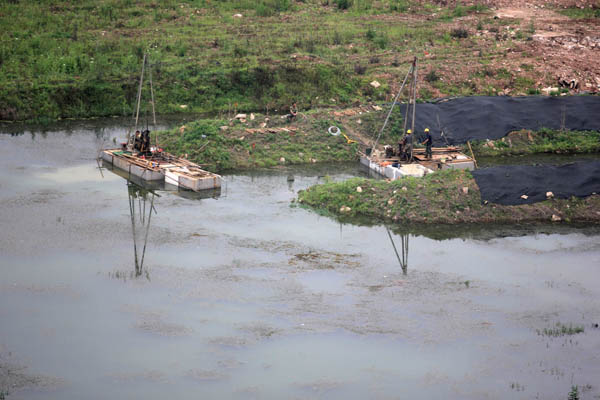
x=262 y=10
x=240 y=51
x=371 y=34
x=337 y=38
x=399 y=5
x=459 y=11
x=459 y=33
x=432 y=76
x=381 y=41
x=343 y=4
x=266 y=8
x=360 y=69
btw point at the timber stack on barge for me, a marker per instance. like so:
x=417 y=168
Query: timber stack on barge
x=149 y=163
x=161 y=166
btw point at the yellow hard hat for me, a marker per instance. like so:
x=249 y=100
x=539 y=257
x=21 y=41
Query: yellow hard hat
x=408 y=132
x=426 y=129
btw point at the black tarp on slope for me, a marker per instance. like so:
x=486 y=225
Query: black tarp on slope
x=480 y=118
x=505 y=184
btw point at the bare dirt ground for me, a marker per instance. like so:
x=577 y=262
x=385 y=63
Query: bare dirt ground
x=569 y=50
x=519 y=46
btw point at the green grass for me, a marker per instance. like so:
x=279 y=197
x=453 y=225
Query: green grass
x=561 y=330
x=437 y=198
x=225 y=145
x=460 y=11
x=62 y=59
x=581 y=13
x=543 y=141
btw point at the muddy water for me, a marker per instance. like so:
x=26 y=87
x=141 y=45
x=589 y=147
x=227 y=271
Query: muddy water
x=244 y=296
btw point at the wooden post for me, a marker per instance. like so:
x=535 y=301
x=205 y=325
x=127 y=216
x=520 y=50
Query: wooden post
x=472 y=155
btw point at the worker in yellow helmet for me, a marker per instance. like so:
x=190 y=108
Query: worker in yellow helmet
x=405 y=146
x=428 y=142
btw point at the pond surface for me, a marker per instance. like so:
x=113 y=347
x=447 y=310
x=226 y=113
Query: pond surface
x=242 y=295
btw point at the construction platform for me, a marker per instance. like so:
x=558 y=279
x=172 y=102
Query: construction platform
x=163 y=167
x=441 y=158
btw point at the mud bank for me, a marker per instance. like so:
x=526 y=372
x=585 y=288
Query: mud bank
x=448 y=197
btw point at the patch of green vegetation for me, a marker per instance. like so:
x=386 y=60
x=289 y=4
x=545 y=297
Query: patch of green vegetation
x=574 y=393
x=561 y=330
x=443 y=197
x=221 y=145
x=373 y=122
x=447 y=88
x=522 y=83
x=65 y=59
x=432 y=76
x=203 y=142
x=460 y=11
x=526 y=67
x=542 y=141
x=407 y=198
x=531 y=28
x=399 y=5
x=459 y=33
x=581 y=13
x=503 y=73
x=267 y=8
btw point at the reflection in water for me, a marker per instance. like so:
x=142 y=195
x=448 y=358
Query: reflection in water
x=139 y=195
x=403 y=260
x=141 y=206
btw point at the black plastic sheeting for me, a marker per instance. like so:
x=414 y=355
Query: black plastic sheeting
x=480 y=118
x=506 y=184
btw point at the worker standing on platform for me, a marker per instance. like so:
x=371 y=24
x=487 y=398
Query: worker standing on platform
x=428 y=142
x=400 y=149
x=407 y=146
x=137 y=141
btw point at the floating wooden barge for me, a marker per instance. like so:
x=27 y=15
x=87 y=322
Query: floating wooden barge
x=392 y=167
x=442 y=158
x=162 y=166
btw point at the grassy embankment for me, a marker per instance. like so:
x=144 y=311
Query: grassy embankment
x=63 y=59
x=437 y=198
x=222 y=145
x=581 y=13
x=544 y=141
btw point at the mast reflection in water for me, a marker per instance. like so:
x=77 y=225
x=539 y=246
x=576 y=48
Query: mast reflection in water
x=402 y=258
x=141 y=217
x=142 y=196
